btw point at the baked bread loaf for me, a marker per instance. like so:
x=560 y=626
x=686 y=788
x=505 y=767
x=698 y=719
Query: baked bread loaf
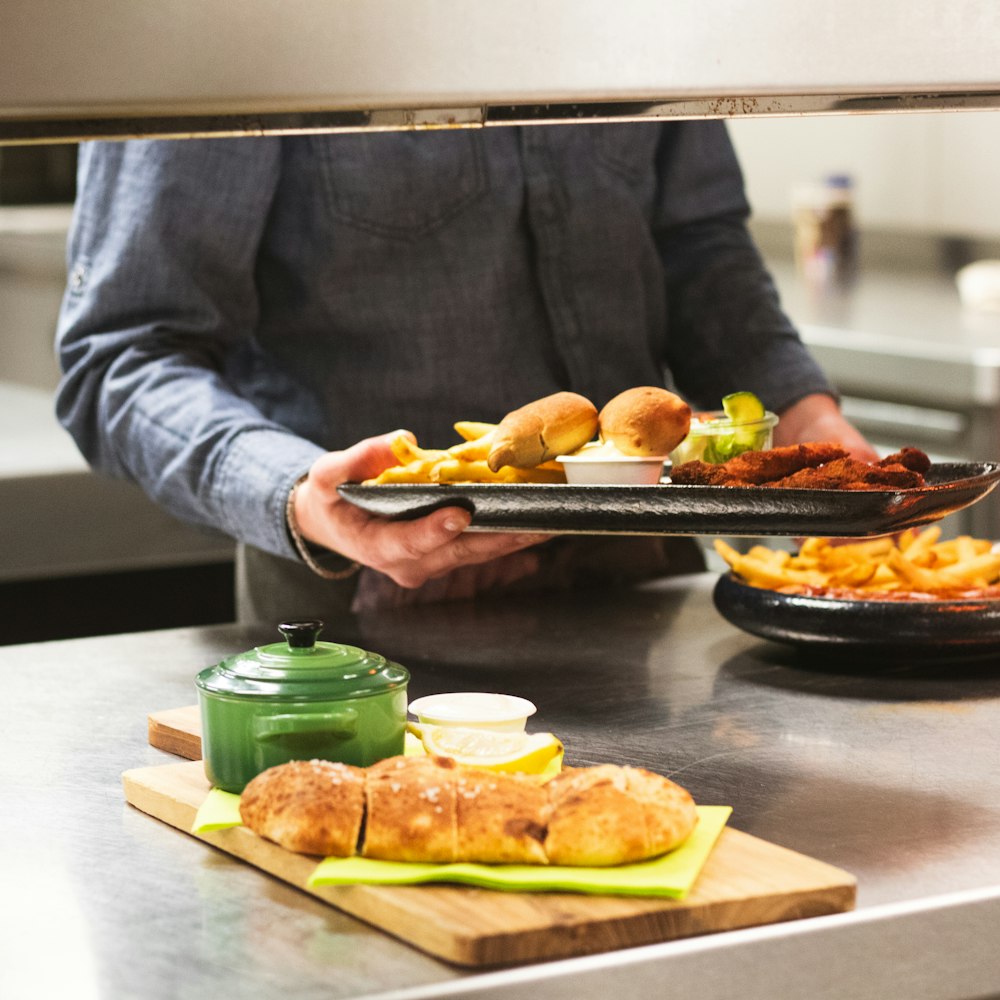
x=309 y=806
x=539 y=431
x=646 y=420
x=430 y=809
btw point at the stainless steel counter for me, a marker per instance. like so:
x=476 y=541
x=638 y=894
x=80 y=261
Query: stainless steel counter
x=913 y=366
x=891 y=772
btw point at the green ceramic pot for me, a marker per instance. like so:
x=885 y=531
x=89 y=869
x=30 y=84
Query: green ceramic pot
x=300 y=699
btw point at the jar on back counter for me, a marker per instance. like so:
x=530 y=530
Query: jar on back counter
x=826 y=241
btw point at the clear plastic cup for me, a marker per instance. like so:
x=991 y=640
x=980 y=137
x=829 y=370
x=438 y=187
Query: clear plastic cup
x=715 y=438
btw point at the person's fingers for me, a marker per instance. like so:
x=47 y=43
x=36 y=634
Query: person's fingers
x=411 y=552
x=516 y=566
x=317 y=497
x=392 y=542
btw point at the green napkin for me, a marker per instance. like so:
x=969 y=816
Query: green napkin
x=670 y=875
x=219 y=811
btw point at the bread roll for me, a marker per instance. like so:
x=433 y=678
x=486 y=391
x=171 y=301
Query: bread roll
x=431 y=809
x=646 y=420
x=537 y=432
x=312 y=807
x=608 y=815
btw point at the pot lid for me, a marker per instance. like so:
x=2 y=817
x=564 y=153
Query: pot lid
x=302 y=668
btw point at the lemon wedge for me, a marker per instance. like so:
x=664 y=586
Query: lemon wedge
x=492 y=750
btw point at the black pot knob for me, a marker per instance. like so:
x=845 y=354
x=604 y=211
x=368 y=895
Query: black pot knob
x=301 y=635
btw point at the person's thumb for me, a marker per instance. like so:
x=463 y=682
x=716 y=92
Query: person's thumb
x=361 y=461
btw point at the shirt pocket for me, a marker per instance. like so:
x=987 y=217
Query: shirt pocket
x=402 y=185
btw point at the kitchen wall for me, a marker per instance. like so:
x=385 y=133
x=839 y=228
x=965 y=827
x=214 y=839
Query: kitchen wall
x=79 y=554
x=918 y=174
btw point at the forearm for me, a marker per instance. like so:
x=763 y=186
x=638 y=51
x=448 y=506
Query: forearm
x=818 y=418
x=163 y=253
x=175 y=428
x=727 y=330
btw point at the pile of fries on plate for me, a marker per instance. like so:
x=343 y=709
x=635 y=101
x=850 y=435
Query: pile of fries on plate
x=464 y=462
x=908 y=566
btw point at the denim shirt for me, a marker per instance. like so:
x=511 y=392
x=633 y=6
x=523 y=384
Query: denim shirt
x=236 y=307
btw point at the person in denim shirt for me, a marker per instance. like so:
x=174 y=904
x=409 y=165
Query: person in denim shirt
x=245 y=312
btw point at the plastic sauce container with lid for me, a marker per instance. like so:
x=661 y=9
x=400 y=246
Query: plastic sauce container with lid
x=474 y=710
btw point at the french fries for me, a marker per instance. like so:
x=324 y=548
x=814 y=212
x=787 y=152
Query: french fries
x=464 y=462
x=917 y=562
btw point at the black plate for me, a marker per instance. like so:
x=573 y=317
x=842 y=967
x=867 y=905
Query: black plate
x=670 y=509
x=919 y=630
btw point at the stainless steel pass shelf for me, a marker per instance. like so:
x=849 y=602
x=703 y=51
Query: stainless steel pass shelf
x=119 y=68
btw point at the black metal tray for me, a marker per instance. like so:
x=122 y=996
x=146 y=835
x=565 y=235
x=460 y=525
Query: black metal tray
x=920 y=630
x=668 y=509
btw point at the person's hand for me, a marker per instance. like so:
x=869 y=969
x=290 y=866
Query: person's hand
x=408 y=552
x=818 y=418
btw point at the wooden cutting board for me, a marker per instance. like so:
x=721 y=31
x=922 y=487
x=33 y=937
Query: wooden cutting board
x=177 y=730
x=746 y=882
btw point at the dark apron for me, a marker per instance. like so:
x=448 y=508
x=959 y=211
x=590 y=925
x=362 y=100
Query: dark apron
x=270 y=589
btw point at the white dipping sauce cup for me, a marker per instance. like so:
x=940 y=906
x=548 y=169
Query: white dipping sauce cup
x=604 y=465
x=474 y=710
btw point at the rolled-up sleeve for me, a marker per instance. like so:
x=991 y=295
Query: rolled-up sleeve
x=161 y=262
x=727 y=330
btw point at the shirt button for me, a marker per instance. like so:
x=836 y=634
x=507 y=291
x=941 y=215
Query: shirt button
x=78 y=277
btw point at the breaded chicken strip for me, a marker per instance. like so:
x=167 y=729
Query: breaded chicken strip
x=910 y=458
x=698 y=473
x=851 y=474
x=755 y=468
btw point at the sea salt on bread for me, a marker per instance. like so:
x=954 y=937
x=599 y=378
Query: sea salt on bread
x=429 y=809
x=411 y=811
x=501 y=818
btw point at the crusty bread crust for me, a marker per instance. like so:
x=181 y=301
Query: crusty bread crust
x=312 y=807
x=412 y=814
x=609 y=815
x=501 y=818
x=430 y=809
